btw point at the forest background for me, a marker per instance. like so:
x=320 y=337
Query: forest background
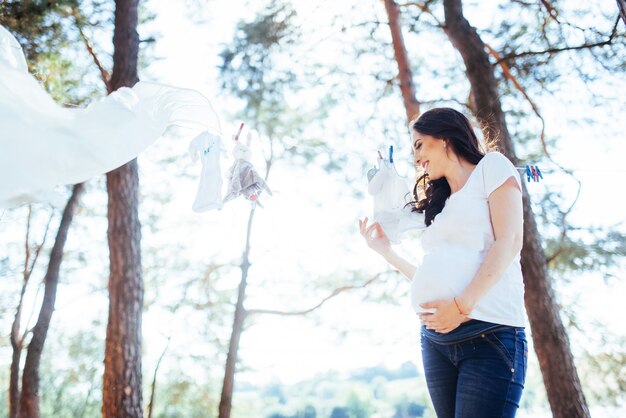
x=319 y=81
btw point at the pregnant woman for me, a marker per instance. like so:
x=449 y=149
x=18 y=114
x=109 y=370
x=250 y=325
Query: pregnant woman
x=468 y=288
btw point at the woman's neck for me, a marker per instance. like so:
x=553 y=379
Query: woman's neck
x=458 y=174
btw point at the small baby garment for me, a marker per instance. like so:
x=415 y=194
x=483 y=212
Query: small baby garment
x=244 y=180
x=391 y=195
x=208 y=148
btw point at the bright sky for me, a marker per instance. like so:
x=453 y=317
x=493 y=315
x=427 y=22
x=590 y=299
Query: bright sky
x=306 y=230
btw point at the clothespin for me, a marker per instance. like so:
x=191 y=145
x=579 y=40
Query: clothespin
x=533 y=172
x=380 y=156
x=391 y=154
x=239 y=132
x=535 y=175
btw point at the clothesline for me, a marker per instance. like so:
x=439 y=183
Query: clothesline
x=521 y=168
x=554 y=170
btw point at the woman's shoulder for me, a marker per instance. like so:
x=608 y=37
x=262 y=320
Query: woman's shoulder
x=496 y=169
x=495 y=160
x=495 y=156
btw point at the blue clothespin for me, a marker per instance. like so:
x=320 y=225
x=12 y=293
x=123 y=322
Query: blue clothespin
x=391 y=154
x=532 y=172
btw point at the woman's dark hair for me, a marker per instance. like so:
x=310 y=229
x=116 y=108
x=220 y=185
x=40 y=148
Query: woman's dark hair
x=453 y=127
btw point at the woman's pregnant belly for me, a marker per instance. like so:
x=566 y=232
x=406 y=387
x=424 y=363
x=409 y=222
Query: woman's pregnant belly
x=442 y=275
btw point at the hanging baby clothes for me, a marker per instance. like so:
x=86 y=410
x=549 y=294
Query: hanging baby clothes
x=44 y=145
x=208 y=148
x=243 y=179
x=391 y=195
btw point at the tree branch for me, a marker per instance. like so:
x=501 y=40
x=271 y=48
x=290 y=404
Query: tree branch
x=551 y=11
x=156 y=370
x=29 y=399
x=333 y=294
x=104 y=74
x=509 y=76
x=27 y=244
x=556 y=50
x=17 y=339
x=405 y=72
x=424 y=8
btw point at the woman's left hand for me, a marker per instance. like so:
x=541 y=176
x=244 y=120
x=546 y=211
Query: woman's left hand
x=445 y=318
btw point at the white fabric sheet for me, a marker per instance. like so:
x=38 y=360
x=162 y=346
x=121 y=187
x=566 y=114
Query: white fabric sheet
x=44 y=145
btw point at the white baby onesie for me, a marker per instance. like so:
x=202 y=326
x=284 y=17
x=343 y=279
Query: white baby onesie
x=391 y=195
x=208 y=148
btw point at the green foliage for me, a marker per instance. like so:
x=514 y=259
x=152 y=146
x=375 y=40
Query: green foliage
x=586 y=249
x=182 y=397
x=257 y=68
x=359 y=405
x=405 y=371
x=39 y=25
x=581 y=249
x=340 y=412
x=70 y=376
x=4 y=383
x=604 y=375
x=534 y=41
x=307 y=412
x=408 y=409
x=48 y=35
x=249 y=69
x=375 y=391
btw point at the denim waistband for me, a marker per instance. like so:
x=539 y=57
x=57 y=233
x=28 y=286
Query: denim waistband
x=465 y=331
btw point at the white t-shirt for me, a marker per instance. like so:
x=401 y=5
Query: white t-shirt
x=456 y=244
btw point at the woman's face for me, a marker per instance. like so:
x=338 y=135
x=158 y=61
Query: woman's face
x=430 y=153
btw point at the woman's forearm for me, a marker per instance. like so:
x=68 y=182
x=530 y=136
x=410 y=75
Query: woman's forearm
x=406 y=268
x=498 y=259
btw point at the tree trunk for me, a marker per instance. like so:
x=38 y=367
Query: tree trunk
x=29 y=399
x=14 y=379
x=550 y=338
x=235 y=336
x=122 y=390
x=405 y=74
x=17 y=344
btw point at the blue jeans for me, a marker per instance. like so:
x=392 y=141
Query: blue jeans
x=478 y=376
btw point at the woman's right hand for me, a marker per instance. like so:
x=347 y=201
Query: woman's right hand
x=378 y=241
x=375 y=237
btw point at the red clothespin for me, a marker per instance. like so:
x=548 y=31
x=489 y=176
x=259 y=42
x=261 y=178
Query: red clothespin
x=380 y=156
x=239 y=132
